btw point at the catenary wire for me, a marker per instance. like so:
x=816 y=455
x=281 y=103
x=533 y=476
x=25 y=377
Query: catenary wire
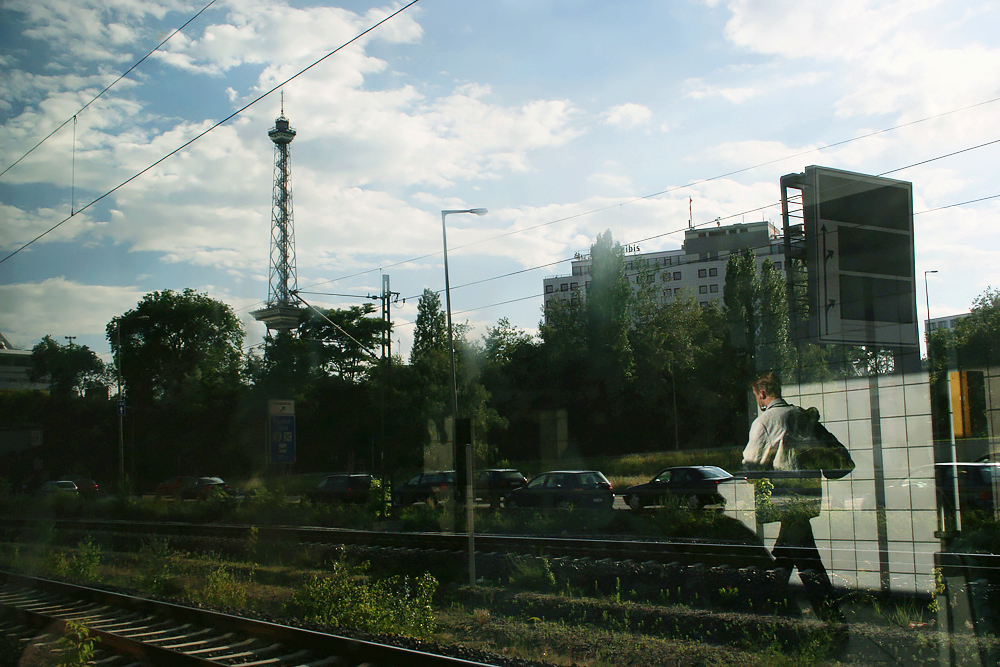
x=106 y=89
x=687 y=185
x=221 y=122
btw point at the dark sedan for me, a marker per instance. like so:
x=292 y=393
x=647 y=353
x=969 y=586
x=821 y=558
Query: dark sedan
x=341 y=488
x=425 y=487
x=581 y=489
x=691 y=486
x=495 y=483
x=203 y=488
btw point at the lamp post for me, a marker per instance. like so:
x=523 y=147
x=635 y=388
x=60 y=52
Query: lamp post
x=121 y=407
x=469 y=497
x=927 y=329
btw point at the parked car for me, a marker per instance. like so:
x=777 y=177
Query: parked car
x=173 y=486
x=58 y=487
x=429 y=487
x=204 y=487
x=495 y=483
x=85 y=485
x=692 y=486
x=583 y=489
x=341 y=488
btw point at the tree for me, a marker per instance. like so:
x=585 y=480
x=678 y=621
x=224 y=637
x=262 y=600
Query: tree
x=174 y=342
x=69 y=369
x=430 y=334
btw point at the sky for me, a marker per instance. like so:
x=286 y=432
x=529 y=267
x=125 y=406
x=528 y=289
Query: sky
x=563 y=118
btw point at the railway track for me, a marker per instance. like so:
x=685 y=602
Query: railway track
x=136 y=632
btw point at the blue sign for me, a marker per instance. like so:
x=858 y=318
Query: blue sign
x=121 y=408
x=281 y=438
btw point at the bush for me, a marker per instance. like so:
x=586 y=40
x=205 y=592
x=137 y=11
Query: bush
x=82 y=563
x=396 y=605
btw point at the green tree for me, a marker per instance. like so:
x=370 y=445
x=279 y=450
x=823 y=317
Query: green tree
x=430 y=333
x=172 y=342
x=756 y=310
x=69 y=369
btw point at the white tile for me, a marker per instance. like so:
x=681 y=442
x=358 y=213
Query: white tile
x=864 y=464
x=890 y=402
x=863 y=494
x=821 y=527
x=843 y=555
x=847 y=579
x=834 y=408
x=900 y=560
x=903 y=583
x=924 y=583
x=918 y=431
x=899 y=526
x=869 y=581
x=924 y=524
x=923 y=496
x=922 y=458
x=838 y=496
x=895 y=462
x=865 y=527
x=841 y=525
x=918 y=399
x=858 y=405
x=867 y=556
x=890 y=380
x=923 y=560
x=893 y=431
x=897 y=496
x=859 y=434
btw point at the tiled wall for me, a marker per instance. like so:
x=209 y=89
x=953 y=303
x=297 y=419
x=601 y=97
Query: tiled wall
x=847 y=531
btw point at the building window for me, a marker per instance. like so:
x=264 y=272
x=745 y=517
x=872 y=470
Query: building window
x=574 y=286
x=666 y=277
x=702 y=273
x=777 y=266
x=714 y=289
x=677 y=290
x=702 y=289
x=628 y=266
x=586 y=286
x=564 y=287
x=703 y=303
x=677 y=275
x=577 y=270
x=549 y=289
x=713 y=273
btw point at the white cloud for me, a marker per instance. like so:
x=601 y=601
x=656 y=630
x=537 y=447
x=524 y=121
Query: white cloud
x=52 y=305
x=627 y=115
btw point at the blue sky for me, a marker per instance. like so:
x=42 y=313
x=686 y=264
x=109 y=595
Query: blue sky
x=538 y=110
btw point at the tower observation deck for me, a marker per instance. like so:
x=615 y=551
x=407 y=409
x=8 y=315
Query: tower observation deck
x=281 y=313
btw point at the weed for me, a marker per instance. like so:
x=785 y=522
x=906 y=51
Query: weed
x=76 y=646
x=729 y=596
x=532 y=574
x=481 y=616
x=223 y=588
x=394 y=605
x=83 y=563
x=157 y=567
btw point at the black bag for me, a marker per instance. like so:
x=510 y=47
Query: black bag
x=818 y=449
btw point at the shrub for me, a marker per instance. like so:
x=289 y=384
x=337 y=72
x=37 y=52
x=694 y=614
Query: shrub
x=395 y=605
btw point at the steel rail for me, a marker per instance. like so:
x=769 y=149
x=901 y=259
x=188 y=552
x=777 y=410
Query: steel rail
x=166 y=634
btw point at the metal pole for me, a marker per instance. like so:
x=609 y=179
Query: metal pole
x=470 y=499
x=121 y=425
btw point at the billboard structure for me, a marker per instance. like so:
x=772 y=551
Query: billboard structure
x=855 y=250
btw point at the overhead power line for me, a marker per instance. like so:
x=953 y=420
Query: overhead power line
x=106 y=89
x=213 y=127
x=689 y=185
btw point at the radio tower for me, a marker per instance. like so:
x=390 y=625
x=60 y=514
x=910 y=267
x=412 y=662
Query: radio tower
x=281 y=313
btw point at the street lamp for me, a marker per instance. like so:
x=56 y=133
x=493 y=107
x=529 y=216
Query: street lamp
x=469 y=497
x=927 y=329
x=121 y=407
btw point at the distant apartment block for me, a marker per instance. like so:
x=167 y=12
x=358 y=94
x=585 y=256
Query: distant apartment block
x=937 y=323
x=15 y=368
x=698 y=268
